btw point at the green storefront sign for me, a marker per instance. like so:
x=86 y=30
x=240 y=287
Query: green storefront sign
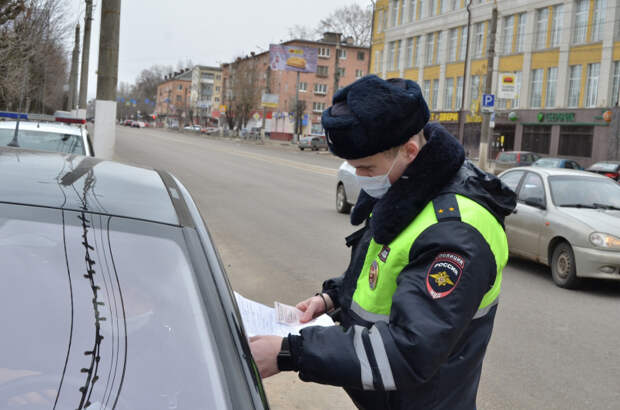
x=554 y=117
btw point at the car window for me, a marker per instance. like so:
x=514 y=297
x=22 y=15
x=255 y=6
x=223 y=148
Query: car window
x=507 y=157
x=605 y=167
x=591 y=191
x=547 y=162
x=511 y=179
x=44 y=141
x=532 y=188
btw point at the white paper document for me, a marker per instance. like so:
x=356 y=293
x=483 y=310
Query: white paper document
x=259 y=319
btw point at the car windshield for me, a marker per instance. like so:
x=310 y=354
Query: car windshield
x=605 y=167
x=585 y=192
x=548 y=162
x=43 y=141
x=505 y=157
x=106 y=310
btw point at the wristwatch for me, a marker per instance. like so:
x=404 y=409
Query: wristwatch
x=285 y=358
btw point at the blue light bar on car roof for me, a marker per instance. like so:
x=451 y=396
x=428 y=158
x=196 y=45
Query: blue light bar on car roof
x=14 y=115
x=41 y=117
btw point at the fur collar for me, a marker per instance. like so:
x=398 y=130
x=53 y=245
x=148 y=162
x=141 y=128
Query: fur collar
x=434 y=167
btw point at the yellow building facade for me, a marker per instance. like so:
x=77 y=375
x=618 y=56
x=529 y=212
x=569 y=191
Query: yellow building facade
x=563 y=55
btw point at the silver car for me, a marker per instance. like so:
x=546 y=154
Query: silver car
x=566 y=219
x=347 y=188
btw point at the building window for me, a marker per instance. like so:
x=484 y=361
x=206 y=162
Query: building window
x=598 y=20
x=179 y=98
x=359 y=73
x=430 y=48
x=515 y=102
x=380 y=21
x=448 y=93
x=459 y=93
x=441 y=44
x=217 y=89
x=574 y=85
x=322 y=70
x=536 y=138
x=453 y=39
x=317 y=129
x=445 y=6
x=542 y=22
x=416 y=51
x=377 y=63
x=616 y=84
x=320 y=89
x=556 y=25
x=391 y=55
x=427 y=90
x=576 y=141
x=324 y=52
x=217 y=99
x=552 y=81
x=394 y=13
x=422 y=9
x=478 y=40
x=318 y=107
x=411 y=9
x=474 y=89
x=303 y=87
x=536 y=90
x=463 y=49
x=361 y=55
x=433 y=8
x=340 y=72
x=592 y=84
x=409 y=53
x=521 y=33
x=341 y=53
x=581 y=21
x=435 y=94
x=180 y=88
x=380 y=61
x=400 y=45
x=509 y=23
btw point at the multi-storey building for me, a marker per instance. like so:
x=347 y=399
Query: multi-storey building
x=173 y=97
x=339 y=64
x=564 y=56
x=205 y=94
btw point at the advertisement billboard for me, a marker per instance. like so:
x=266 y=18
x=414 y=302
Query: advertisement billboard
x=293 y=58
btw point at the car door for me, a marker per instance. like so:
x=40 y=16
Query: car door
x=528 y=219
x=512 y=179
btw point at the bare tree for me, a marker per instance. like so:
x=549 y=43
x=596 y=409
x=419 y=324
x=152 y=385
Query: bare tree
x=299 y=32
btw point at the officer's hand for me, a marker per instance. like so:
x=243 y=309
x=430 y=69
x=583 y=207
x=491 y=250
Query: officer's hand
x=265 y=350
x=313 y=307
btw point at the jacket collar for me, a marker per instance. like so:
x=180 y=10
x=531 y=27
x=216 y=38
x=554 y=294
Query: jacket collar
x=434 y=167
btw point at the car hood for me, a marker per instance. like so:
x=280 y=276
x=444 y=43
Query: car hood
x=600 y=220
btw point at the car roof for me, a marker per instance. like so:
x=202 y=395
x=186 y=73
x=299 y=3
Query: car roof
x=75 y=182
x=558 y=171
x=42 y=126
x=607 y=162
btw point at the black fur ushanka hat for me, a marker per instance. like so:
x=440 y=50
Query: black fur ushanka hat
x=373 y=115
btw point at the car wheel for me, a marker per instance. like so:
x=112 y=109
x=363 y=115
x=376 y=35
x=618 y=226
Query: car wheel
x=342 y=205
x=563 y=269
x=301 y=148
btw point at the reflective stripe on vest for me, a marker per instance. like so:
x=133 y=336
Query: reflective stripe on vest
x=376 y=284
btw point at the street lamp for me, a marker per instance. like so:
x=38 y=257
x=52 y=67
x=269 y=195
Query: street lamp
x=465 y=75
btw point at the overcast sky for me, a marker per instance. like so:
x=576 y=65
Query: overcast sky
x=208 y=32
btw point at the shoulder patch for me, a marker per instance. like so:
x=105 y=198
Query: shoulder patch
x=444 y=274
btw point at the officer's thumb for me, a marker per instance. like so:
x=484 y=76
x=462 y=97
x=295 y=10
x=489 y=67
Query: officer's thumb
x=308 y=314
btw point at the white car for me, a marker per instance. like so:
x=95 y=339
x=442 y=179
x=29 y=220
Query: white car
x=46 y=136
x=194 y=127
x=347 y=188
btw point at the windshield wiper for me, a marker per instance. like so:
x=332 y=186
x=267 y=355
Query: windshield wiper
x=579 y=206
x=606 y=206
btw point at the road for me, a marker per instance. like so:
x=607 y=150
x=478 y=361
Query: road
x=271 y=211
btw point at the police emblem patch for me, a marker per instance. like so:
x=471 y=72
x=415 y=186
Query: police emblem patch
x=444 y=274
x=385 y=252
x=373 y=275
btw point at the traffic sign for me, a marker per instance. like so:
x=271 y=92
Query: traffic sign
x=488 y=102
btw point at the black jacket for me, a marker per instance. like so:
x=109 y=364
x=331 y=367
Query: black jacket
x=434 y=346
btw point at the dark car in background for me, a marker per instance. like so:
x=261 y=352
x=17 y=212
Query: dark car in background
x=549 y=162
x=510 y=159
x=113 y=296
x=610 y=169
x=313 y=142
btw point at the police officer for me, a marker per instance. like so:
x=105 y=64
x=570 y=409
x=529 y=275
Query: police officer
x=418 y=300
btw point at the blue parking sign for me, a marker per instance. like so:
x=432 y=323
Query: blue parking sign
x=488 y=100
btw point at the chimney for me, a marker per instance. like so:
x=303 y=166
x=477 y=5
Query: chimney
x=349 y=41
x=329 y=37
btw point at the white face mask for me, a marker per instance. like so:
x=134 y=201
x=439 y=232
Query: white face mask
x=376 y=186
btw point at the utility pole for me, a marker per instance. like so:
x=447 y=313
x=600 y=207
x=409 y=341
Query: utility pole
x=73 y=78
x=85 y=54
x=465 y=75
x=486 y=116
x=372 y=33
x=107 y=78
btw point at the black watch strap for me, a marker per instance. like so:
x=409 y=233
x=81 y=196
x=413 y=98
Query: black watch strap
x=285 y=358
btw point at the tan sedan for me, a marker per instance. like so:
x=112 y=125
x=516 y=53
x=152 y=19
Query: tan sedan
x=566 y=219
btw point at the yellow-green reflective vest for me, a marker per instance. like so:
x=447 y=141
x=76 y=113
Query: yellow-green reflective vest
x=375 y=304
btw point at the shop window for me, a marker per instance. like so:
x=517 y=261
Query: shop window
x=576 y=141
x=536 y=138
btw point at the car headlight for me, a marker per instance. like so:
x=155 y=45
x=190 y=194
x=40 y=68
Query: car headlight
x=605 y=241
